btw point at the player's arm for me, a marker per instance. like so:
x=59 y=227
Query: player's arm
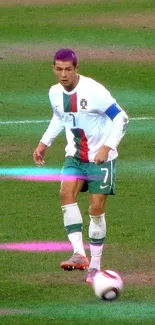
x=54 y=128
x=108 y=106
x=120 y=122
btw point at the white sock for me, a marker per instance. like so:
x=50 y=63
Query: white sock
x=73 y=225
x=97 y=233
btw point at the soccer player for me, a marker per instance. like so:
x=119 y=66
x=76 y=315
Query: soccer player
x=94 y=124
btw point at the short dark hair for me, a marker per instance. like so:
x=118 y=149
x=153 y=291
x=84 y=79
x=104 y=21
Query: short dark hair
x=65 y=55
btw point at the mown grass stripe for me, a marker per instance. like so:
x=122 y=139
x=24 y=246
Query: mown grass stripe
x=117 y=310
x=129 y=97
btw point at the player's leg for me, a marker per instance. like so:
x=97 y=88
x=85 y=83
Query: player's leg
x=73 y=219
x=99 y=189
x=97 y=232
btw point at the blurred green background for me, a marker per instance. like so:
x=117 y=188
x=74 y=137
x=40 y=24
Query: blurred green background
x=34 y=290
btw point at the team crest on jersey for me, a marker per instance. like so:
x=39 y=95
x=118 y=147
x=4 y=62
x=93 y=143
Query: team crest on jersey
x=83 y=103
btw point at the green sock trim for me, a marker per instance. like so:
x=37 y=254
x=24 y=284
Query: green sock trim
x=94 y=241
x=77 y=227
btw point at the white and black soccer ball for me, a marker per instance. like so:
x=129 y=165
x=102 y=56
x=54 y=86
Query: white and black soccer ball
x=107 y=285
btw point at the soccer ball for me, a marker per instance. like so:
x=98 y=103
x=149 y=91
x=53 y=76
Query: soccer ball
x=107 y=285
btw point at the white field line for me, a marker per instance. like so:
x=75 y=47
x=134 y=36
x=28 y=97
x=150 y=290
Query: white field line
x=141 y=118
x=25 y=122
x=47 y=121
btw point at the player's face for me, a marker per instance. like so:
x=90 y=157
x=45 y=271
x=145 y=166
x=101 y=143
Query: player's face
x=66 y=74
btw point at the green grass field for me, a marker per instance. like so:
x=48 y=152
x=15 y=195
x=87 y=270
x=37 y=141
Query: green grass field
x=33 y=288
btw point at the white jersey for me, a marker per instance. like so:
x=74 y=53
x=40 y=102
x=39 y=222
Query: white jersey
x=90 y=116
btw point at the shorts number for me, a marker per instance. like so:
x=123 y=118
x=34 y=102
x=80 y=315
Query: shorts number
x=105 y=177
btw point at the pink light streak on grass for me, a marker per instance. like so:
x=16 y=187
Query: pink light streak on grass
x=44 y=178
x=39 y=246
x=47 y=178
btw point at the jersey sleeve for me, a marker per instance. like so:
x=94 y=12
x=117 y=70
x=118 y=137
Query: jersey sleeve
x=119 y=127
x=103 y=98
x=55 y=127
x=108 y=106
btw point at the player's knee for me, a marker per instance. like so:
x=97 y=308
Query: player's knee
x=97 y=205
x=96 y=208
x=66 y=196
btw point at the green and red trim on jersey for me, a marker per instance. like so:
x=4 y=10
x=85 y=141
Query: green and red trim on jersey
x=81 y=145
x=70 y=103
x=81 y=142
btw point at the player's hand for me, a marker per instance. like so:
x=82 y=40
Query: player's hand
x=38 y=158
x=38 y=155
x=102 y=155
